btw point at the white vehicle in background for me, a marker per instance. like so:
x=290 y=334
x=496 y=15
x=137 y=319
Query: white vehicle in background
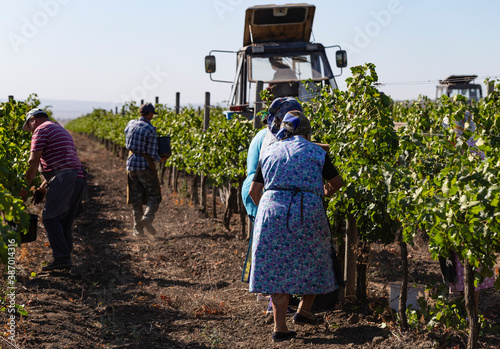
x=460 y=85
x=277 y=55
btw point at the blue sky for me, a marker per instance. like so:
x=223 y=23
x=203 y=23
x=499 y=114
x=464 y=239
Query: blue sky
x=111 y=51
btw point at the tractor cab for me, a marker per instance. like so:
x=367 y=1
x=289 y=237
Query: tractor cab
x=278 y=55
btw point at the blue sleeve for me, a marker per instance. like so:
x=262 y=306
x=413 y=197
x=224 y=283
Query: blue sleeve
x=254 y=151
x=247 y=200
x=252 y=162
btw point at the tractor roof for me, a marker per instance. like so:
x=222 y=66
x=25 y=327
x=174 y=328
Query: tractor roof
x=271 y=23
x=457 y=79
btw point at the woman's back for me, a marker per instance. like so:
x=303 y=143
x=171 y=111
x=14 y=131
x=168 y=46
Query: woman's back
x=293 y=163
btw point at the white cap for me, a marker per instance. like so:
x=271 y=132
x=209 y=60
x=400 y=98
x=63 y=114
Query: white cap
x=32 y=113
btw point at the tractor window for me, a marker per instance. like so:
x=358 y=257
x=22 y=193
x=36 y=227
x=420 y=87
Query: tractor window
x=287 y=68
x=470 y=94
x=474 y=94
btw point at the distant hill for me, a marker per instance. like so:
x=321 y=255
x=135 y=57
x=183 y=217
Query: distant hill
x=67 y=110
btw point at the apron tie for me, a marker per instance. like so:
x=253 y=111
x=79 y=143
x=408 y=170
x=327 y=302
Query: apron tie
x=295 y=191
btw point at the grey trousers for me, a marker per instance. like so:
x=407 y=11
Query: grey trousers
x=144 y=189
x=64 y=196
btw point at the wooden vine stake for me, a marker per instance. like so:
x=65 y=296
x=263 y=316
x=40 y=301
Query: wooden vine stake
x=243 y=212
x=403 y=295
x=206 y=123
x=350 y=256
x=214 y=201
x=470 y=304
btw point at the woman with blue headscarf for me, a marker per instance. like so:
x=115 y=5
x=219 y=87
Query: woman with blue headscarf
x=291 y=251
x=272 y=119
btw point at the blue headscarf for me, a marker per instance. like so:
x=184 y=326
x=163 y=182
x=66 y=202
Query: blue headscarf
x=277 y=111
x=294 y=123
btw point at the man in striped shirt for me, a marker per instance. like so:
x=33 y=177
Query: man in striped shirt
x=143 y=183
x=53 y=151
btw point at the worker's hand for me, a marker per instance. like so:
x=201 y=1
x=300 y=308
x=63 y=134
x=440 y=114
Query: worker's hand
x=39 y=195
x=23 y=194
x=164 y=158
x=327 y=190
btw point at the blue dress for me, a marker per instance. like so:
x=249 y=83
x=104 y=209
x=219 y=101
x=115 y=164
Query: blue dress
x=291 y=249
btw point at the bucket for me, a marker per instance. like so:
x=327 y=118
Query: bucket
x=414 y=292
x=164 y=146
x=31 y=233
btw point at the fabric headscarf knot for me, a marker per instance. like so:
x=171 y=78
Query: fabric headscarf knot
x=277 y=111
x=294 y=123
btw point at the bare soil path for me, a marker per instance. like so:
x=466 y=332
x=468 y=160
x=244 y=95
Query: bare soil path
x=183 y=289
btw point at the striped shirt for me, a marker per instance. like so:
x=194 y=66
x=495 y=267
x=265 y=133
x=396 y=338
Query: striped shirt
x=57 y=146
x=140 y=137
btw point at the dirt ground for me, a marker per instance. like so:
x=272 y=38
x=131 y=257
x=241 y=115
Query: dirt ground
x=183 y=289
